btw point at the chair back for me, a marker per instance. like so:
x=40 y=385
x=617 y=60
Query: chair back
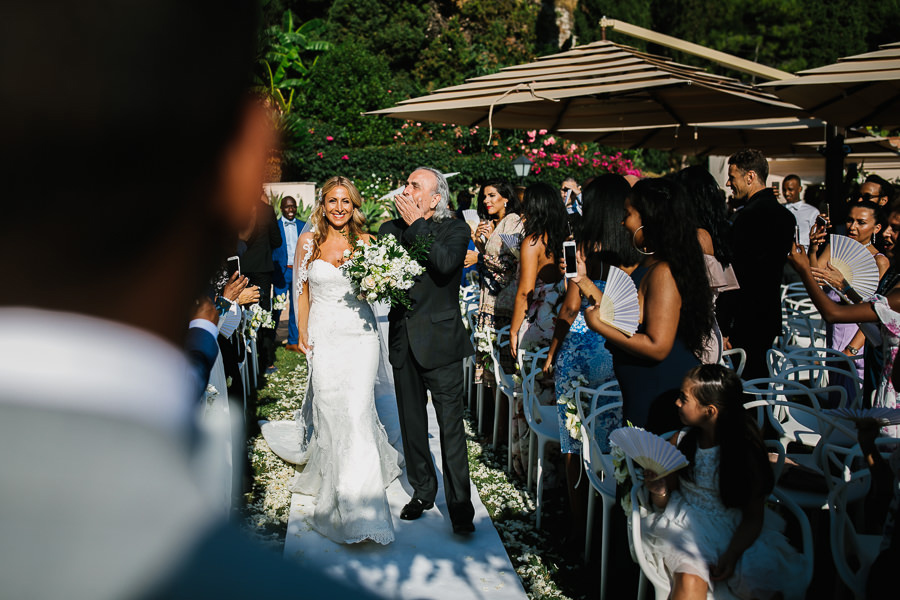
x=598 y=465
x=734 y=354
x=846 y=541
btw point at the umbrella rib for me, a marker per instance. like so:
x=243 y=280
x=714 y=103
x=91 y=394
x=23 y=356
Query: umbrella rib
x=878 y=109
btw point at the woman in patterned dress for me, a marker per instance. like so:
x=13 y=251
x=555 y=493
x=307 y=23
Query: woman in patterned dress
x=539 y=291
x=499 y=267
x=884 y=310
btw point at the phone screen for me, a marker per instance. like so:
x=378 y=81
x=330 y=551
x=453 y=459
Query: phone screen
x=234 y=264
x=797 y=235
x=569 y=255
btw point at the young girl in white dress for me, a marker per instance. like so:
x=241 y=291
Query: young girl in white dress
x=710 y=529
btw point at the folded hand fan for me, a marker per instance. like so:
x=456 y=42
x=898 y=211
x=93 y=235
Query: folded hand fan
x=887 y=416
x=470 y=215
x=855 y=263
x=619 y=305
x=648 y=450
x=513 y=241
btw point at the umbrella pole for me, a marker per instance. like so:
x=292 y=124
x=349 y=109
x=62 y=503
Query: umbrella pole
x=834 y=167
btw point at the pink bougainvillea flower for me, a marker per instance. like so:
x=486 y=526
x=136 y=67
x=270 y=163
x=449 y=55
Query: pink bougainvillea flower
x=459 y=151
x=542 y=132
x=497 y=155
x=345 y=157
x=320 y=155
x=328 y=138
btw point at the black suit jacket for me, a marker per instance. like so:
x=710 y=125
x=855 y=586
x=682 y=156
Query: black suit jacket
x=432 y=330
x=762 y=235
x=265 y=237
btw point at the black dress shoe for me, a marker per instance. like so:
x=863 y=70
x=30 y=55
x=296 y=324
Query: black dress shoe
x=414 y=509
x=464 y=528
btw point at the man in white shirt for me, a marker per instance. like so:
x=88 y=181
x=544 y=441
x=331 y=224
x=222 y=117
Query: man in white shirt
x=804 y=214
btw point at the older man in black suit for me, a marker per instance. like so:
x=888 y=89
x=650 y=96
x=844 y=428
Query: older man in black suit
x=427 y=345
x=762 y=235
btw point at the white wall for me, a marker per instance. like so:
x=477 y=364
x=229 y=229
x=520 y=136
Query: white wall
x=304 y=192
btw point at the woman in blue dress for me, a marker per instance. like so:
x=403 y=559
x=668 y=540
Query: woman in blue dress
x=575 y=350
x=675 y=303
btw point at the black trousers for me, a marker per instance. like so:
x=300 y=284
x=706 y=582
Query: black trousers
x=446 y=385
x=756 y=345
x=265 y=337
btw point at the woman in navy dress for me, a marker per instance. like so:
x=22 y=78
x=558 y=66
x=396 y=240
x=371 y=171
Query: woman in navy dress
x=675 y=302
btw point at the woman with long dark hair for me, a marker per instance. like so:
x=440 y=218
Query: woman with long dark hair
x=538 y=293
x=578 y=354
x=498 y=269
x=709 y=213
x=675 y=304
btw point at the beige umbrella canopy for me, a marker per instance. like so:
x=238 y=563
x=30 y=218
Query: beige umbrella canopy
x=597 y=85
x=774 y=137
x=855 y=91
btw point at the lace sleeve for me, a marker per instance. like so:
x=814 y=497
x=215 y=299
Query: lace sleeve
x=303 y=271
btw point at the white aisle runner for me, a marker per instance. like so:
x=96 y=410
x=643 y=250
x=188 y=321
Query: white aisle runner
x=425 y=561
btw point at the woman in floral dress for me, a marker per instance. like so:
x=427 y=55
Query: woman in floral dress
x=499 y=267
x=580 y=354
x=539 y=291
x=884 y=310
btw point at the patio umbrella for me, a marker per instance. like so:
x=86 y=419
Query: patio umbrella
x=855 y=91
x=602 y=84
x=774 y=137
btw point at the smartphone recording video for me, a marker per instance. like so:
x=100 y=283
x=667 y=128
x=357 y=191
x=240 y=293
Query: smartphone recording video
x=569 y=255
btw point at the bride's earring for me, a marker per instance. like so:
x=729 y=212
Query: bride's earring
x=634 y=242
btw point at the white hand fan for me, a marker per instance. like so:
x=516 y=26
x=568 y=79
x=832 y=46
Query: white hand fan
x=393 y=193
x=649 y=450
x=619 y=305
x=470 y=215
x=855 y=263
x=513 y=241
x=887 y=416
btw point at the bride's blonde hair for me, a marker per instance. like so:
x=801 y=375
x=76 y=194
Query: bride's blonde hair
x=319 y=224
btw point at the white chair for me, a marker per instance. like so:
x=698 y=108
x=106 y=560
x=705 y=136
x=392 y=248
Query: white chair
x=846 y=541
x=732 y=354
x=471 y=317
x=543 y=422
x=797 y=423
x=600 y=473
x=505 y=385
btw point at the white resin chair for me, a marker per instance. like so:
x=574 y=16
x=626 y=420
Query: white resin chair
x=599 y=470
x=543 y=423
x=846 y=542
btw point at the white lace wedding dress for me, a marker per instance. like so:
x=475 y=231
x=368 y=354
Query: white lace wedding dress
x=338 y=435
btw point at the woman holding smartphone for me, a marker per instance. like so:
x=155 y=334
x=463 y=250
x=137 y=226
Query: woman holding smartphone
x=675 y=303
x=499 y=267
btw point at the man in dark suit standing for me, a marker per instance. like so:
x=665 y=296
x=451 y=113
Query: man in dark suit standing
x=762 y=236
x=427 y=345
x=258 y=267
x=289 y=228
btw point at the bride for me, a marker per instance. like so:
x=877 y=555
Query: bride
x=349 y=461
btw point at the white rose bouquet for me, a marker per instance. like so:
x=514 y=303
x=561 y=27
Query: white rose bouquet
x=567 y=399
x=257 y=317
x=382 y=270
x=280 y=302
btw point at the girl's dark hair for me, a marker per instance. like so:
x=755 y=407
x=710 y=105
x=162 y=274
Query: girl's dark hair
x=603 y=203
x=708 y=209
x=661 y=205
x=507 y=191
x=745 y=473
x=545 y=218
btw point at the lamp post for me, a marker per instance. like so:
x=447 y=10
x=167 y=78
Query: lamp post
x=522 y=166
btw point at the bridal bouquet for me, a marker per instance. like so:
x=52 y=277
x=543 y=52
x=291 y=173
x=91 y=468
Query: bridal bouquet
x=382 y=270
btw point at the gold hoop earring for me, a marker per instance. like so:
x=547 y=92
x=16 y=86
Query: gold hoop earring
x=634 y=242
